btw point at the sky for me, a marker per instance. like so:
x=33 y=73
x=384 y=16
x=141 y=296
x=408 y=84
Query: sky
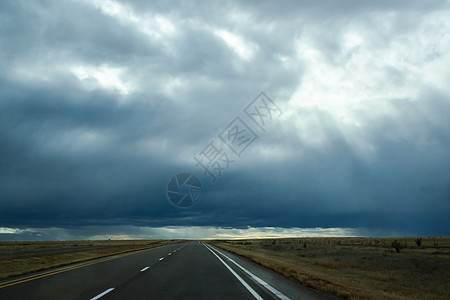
x=295 y=118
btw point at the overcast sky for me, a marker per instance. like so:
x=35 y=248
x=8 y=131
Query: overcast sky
x=102 y=102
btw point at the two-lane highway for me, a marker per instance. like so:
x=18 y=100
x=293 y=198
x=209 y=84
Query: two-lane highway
x=192 y=274
x=178 y=271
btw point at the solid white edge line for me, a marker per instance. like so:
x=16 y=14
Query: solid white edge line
x=249 y=288
x=145 y=269
x=256 y=278
x=102 y=294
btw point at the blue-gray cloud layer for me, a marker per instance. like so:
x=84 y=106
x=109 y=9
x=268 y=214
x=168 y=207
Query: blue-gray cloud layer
x=102 y=102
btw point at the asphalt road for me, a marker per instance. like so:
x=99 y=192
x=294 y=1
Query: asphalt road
x=177 y=271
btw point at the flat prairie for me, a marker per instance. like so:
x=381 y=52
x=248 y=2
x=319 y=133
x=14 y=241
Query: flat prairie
x=19 y=258
x=357 y=268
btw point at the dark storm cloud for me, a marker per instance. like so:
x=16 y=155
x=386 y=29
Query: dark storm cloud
x=102 y=103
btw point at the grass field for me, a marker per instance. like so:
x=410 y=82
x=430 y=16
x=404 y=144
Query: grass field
x=19 y=258
x=357 y=268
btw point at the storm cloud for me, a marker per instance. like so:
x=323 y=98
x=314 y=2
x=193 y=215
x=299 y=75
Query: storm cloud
x=102 y=102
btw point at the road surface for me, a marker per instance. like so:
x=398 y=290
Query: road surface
x=177 y=271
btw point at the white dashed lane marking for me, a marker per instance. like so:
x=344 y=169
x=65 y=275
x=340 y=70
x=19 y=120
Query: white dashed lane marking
x=102 y=294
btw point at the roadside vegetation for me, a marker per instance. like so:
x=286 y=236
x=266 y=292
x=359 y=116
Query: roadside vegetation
x=357 y=268
x=19 y=258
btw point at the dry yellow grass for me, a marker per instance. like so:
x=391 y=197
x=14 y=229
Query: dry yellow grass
x=19 y=258
x=356 y=268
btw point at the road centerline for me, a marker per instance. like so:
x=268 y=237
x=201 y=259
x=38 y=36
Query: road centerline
x=102 y=294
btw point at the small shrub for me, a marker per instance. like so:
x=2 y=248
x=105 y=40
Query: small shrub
x=397 y=246
x=419 y=242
